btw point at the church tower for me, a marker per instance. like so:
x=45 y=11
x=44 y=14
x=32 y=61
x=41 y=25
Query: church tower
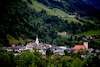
x=37 y=41
x=85 y=43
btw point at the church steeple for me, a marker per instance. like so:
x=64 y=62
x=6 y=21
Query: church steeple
x=37 y=41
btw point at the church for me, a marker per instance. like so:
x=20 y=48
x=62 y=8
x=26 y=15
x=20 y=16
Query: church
x=84 y=46
x=30 y=46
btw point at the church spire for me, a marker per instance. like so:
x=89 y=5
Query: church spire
x=37 y=41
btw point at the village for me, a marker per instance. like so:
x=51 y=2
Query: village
x=42 y=47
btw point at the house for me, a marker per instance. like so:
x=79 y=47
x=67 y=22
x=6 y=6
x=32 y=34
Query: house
x=58 y=15
x=45 y=46
x=41 y=51
x=61 y=52
x=9 y=49
x=97 y=36
x=49 y=45
x=13 y=45
x=97 y=50
x=29 y=46
x=84 y=46
x=54 y=47
x=44 y=57
x=62 y=33
x=90 y=50
x=90 y=37
x=90 y=55
x=70 y=49
x=21 y=48
x=84 y=56
x=75 y=12
x=16 y=54
x=16 y=48
x=62 y=47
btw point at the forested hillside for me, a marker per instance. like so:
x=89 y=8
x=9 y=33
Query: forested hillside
x=18 y=19
x=72 y=6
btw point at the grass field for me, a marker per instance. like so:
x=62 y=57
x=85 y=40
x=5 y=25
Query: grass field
x=90 y=33
x=15 y=41
x=67 y=36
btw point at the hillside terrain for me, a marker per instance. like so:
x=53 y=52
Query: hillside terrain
x=22 y=20
x=72 y=6
x=90 y=33
x=39 y=7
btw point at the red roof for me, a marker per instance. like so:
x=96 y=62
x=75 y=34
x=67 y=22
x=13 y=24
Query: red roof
x=44 y=57
x=77 y=47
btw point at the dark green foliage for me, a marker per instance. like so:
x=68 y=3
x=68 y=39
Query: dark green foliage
x=7 y=59
x=76 y=62
x=35 y=59
x=19 y=43
x=49 y=52
x=62 y=41
x=70 y=38
x=28 y=59
x=26 y=42
x=3 y=38
x=39 y=61
x=25 y=59
x=66 y=61
x=94 y=44
x=80 y=38
x=18 y=19
x=65 y=51
x=75 y=37
x=29 y=1
x=1 y=45
x=43 y=11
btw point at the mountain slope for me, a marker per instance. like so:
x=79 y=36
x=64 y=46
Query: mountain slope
x=19 y=20
x=25 y=19
x=72 y=6
x=39 y=7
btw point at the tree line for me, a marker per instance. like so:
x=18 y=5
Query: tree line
x=35 y=59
